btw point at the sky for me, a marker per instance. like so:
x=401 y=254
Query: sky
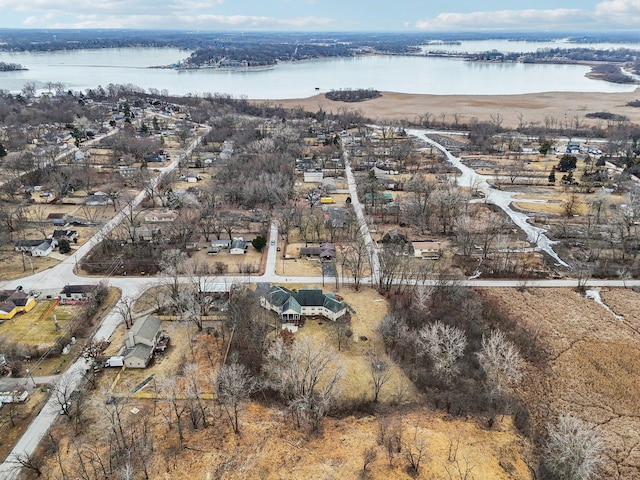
x=324 y=15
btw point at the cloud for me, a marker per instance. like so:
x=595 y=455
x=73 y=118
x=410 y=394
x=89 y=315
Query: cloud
x=620 y=12
x=201 y=22
x=606 y=14
x=506 y=19
x=161 y=14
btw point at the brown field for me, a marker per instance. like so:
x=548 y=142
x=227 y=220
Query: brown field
x=297 y=266
x=593 y=368
x=252 y=256
x=533 y=107
x=270 y=447
x=24 y=413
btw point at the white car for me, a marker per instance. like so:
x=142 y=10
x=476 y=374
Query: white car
x=273 y=242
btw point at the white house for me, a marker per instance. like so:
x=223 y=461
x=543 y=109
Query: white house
x=427 y=250
x=238 y=246
x=292 y=305
x=37 y=248
x=141 y=341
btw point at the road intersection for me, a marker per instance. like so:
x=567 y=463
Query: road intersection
x=133 y=287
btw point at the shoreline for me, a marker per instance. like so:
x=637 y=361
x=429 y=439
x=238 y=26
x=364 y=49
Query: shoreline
x=515 y=110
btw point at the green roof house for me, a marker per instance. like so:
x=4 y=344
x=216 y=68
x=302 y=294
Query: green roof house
x=291 y=306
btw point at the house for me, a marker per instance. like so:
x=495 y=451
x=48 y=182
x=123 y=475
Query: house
x=313 y=177
x=160 y=217
x=98 y=199
x=44 y=248
x=573 y=148
x=427 y=250
x=238 y=246
x=339 y=217
x=326 y=251
x=127 y=172
x=395 y=236
x=217 y=245
x=291 y=305
x=13 y=302
x=76 y=293
x=37 y=248
x=70 y=235
x=141 y=341
x=147 y=234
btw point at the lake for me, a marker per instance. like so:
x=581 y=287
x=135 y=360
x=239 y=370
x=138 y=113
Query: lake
x=83 y=69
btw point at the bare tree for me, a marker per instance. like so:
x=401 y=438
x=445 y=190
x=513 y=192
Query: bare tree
x=125 y=310
x=234 y=385
x=62 y=393
x=380 y=371
x=574 y=451
x=394 y=331
x=307 y=376
x=340 y=332
x=500 y=359
x=415 y=450
x=356 y=260
x=368 y=457
x=32 y=462
x=444 y=345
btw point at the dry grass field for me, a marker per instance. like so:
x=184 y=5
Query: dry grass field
x=533 y=108
x=593 y=368
x=23 y=414
x=270 y=446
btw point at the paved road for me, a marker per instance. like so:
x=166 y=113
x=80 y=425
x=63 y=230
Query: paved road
x=374 y=258
x=55 y=277
x=132 y=287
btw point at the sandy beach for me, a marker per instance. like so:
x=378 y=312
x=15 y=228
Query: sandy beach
x=515 y=109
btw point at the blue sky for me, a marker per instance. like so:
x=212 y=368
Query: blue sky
x=323 y=15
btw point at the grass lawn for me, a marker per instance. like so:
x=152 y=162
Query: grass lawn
x=34 y=329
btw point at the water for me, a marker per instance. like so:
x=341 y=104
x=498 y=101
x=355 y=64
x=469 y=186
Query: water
x=508 y=46
x=83 y=69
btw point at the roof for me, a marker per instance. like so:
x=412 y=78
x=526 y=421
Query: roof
x=278 y=295
x=426 y=244
x=7 y=307
x=325 y=250
x=16 y=296
x=141 y=351
x=238 y=243
x=146 y=327
x=76 y=289
x=64 y=233
x=289 y=300
x=28 y=243
x=332 y=304
x=309 y=298
x=220 y=243
x=291 y=304
x=310 y=251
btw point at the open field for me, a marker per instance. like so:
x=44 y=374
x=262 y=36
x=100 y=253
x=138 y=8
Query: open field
x=233 y=262
x=593 y=367
x=270 y=446
x=34 y=329
x=533 y=107
x=12 y=266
